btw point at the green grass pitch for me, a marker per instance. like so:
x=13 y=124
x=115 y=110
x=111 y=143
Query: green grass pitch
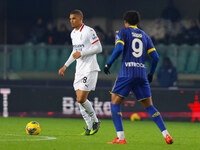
x=140 y=135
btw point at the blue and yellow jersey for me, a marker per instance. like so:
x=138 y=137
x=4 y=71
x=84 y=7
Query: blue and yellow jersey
x=136 y=45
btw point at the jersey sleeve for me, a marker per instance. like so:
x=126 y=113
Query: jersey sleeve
x=119 y=37
x=150 y=45
x=92 y=36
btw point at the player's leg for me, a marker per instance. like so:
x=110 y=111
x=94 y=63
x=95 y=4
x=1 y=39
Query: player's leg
x=120 y=90
x=142 y=92
x=87 y=119
x=117 y=119
x=85 y=115
x=154 y=113
x=82 y=99
x=91 y=82
x=83 y=84
x=157 y=118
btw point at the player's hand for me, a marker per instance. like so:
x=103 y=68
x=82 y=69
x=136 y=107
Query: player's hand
x=62 y=70
x=106 y=69
x=150 y=77
x=76 y=55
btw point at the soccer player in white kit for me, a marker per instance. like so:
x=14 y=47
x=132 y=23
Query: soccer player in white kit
x=86 y=45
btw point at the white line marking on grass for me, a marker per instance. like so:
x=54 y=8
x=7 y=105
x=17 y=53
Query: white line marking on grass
x=34 y=138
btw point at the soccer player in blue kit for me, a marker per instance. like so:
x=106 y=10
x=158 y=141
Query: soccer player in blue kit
x=133 y=44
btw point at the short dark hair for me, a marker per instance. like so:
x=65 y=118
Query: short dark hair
x=77 y=11
x=132 y=17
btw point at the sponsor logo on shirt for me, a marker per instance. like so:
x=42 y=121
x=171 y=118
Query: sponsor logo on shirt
x=78 y=47
x=134 y=64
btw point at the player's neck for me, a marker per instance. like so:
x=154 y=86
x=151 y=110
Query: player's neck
x=129 y=25
x=78 y=27
x=133 y=26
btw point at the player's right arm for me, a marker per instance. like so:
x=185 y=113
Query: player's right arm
x=67 y=63
x=62 y=70
x=116 y=53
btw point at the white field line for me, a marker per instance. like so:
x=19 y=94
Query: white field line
x=35 y=138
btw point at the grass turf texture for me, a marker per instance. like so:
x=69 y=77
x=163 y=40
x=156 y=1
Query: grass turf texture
x=140 y=135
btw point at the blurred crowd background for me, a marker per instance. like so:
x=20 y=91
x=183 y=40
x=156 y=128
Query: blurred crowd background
x=167 y=21
x=35 y=37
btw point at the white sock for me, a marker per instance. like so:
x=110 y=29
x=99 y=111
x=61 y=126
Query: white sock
x=88 y=106
x=120 y=135
x=86 y=117
x=164 y=133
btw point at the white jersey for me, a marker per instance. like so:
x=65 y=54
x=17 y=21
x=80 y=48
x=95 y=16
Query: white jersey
x=82 y=40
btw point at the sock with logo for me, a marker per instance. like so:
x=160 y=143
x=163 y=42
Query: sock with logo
x=86 y=117
x=89 y=109
x=117 y=120
x=156 y=117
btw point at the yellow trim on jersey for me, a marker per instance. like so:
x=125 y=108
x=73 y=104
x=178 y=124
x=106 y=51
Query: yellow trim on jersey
x=151 y=50
x=119 y=41
x=133 y=27
x=143 y=99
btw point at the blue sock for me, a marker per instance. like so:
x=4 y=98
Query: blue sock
x=117 y=117
x=156 y=117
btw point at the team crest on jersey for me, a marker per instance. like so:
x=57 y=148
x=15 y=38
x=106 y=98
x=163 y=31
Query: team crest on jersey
x=117 y=38
x=94 y=36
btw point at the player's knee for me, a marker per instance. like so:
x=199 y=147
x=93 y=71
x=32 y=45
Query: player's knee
x=80 y=99
x=116 y=99
x=146 y=102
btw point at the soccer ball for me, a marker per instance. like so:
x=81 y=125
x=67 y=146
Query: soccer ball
x=33 y=128
x=135 y=116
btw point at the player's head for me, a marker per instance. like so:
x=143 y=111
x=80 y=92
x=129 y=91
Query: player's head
x=131 y=18
x=76 y=18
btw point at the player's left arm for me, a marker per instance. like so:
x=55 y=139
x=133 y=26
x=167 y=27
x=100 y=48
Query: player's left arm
x=95 y=47
x=155 y=58
x=154 y=62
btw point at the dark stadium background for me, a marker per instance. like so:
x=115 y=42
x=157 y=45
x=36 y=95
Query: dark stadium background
x=29 y=64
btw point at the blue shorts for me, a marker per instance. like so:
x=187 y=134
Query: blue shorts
x=139 y=86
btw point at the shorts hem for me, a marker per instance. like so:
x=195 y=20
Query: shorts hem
x=84 y=90
x=121 y=96
x=143 y=99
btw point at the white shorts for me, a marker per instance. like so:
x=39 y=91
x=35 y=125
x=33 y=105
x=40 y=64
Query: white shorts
x=86 y=82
